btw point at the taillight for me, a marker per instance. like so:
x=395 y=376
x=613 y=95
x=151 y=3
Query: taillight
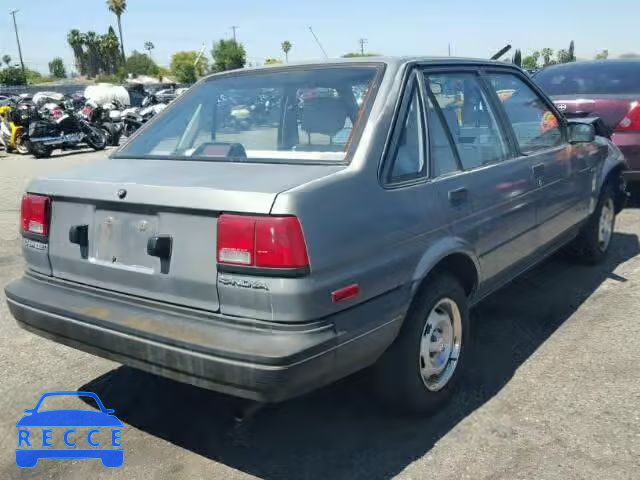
x=262 y=242
x=34 y=213
x=631 y=121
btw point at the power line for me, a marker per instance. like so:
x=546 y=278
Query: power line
x=318 y=42
x=363 y=42
x=15 y=27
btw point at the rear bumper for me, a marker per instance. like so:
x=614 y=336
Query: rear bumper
x=629 y=144
x=263 y=361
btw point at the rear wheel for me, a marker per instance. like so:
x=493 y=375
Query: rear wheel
x=41 y=151
x=593 y=242
x=422 y=367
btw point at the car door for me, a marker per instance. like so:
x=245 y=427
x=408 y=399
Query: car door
x=488 y=195
x=540 y=135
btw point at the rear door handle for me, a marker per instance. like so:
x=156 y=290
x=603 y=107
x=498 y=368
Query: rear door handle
x=458 y=196
x=538 y=173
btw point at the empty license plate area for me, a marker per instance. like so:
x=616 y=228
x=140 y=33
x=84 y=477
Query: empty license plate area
x=120 y=239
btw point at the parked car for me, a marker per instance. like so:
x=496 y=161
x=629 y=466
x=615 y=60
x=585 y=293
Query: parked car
x=609 y=89
x=269 y=261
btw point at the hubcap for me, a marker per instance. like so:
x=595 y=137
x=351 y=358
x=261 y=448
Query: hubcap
x=605 y=226
x=440 y=344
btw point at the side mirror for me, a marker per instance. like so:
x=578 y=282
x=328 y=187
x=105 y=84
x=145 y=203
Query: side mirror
x=581 y=133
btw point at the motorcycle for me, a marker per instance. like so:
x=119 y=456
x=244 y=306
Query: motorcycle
x=62 y=129
x=106 y=117
x=134 y=118
x=13 y=120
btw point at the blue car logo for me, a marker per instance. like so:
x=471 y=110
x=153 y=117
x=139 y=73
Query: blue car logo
x=102 y=436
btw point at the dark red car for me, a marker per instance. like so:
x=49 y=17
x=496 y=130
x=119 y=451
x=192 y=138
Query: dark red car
x=609 y=89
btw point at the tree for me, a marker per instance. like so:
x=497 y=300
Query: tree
x=273 y=61
x=603 y=55
x=286 y=48
x=630 y=55
x=359 y=54
x=530 y=62
x=118 y=7
x=148 y=46
x=185 y=68
x=12 y=76
x=546 y=54
x=75 y=41
x=228 y=55
x=141 y=64
x=7 y=60
x=109 y=47
x=517 y=58
x=567 y=56
x=56 y=68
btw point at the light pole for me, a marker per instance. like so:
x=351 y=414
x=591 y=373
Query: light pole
x=15 y=27
x=234 y=28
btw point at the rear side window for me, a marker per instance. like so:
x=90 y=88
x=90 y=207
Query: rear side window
x=469 y=118
x=408 y=160
x=442 y=158
x=535 y=126
x=601 y=78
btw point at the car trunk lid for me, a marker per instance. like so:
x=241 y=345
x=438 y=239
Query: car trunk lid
x=104 y=215
x=610 y=108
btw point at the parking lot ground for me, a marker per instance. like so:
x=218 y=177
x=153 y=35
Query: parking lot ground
x=553 y=391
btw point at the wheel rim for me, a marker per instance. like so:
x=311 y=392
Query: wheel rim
x=21 y=146
x=440 y=344
x=605 y=226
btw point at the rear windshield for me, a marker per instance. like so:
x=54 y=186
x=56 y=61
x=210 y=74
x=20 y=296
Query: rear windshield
x=302 y=115
x=604 y=78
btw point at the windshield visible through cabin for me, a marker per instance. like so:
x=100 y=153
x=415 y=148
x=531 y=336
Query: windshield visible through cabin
x=294 y=114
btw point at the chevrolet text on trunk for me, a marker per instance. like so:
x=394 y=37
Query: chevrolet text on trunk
x=348 y=217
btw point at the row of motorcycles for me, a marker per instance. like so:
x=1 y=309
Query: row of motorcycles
x=42 y=123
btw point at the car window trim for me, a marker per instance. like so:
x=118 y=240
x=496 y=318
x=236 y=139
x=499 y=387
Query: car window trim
x=505 y=130
x=562 y=123
x=410 y=86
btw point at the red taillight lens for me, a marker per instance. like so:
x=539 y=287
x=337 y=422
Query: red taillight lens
x=263 y=242
x=631 y=121
x=34 y=213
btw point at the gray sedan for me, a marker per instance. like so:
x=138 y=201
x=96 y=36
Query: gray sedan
x=276 y=229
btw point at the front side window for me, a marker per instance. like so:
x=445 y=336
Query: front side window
x=469 y=118
x=299 y=115
x=535 y=126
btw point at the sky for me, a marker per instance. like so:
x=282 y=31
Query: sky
x=474 y=28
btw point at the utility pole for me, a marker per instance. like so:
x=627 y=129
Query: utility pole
x=234 y=28
x=15 y=27
x=318 y=42
x=363 y=42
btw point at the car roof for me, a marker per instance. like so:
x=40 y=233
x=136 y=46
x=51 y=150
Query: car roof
x=588 y=63
x=391 y=62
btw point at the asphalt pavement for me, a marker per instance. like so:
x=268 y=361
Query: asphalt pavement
x=553 y=392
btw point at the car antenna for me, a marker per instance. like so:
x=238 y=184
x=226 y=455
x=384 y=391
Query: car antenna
x=501 y=52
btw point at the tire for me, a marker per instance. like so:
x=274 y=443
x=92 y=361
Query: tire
x=593 y=242
x=112 y=134
x=96 y=138
x=401 y=376
x=41 y=151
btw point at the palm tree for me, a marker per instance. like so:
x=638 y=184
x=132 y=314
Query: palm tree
x=286 y=48
x=6 y=59
x=118 y=7
x=148 y=46
x=76 y=41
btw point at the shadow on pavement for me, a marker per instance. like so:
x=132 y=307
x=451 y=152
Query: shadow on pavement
x=339 y=431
